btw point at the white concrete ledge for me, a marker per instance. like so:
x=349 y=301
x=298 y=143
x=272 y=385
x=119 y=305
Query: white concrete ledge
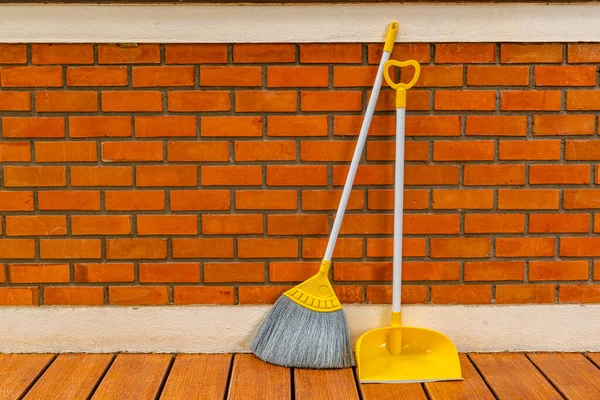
x=207 y=329
x=509 y=22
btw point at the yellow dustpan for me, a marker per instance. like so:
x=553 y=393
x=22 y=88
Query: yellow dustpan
x=399 y=353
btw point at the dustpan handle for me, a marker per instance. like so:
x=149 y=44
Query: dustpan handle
x=360 y=143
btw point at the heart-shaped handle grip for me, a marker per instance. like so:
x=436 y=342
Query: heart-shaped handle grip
x=400 y=64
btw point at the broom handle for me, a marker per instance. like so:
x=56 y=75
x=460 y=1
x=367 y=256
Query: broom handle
x=362 y=137
x=398 y=211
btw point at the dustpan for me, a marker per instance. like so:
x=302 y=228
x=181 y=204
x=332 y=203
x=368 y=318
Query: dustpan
x=398 y=354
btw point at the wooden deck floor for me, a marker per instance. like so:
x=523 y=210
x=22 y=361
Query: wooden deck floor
x=532 y=376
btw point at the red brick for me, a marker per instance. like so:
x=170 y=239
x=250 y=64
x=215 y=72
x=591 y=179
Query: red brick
x=494 y=271
x=18 y=296
x=70 y=248
x=579 y=246
x=430 y=175
x=196 y=53
x=138 y=54
x=101 y=176
x=134 y=249
x=386 y=151
x=199 y=101
x=162 y=76
x=165 y=126
x=292 y=271
x=583 y=100
x=349 y=293
x=413 y=224
x=130 y=101
x=39 y=273
x=15 y=151
x=351 y=76
x=297 y=76
x=344 y=248
x=65 y=152
x=297 y=125
x=460 y=247
x=530 y=150
x=496 y=125
x=31 y=77
x=384 y=199
x=260 y=294
x=264 y=53
x=169 y=272
x=74 y=296
x=34 y=127
x=383 y=247
x=579 y=294
x=401 y=51
x=138 y=295
x=330 y=199
x=267 y=248
x=486 y=174
x=230 y=76
x=231 y=126
x=197 y=151
x=13 y=54
x=558 y=270
x=530 y=53
x=99 y=126
x=97 y=76
x=578 y=199
x=583 y=52
x=143 y=200
x=203 y=248
x=322 y=150
x=462 y=199
x=465 y=53
x=331 y=101
x=559 y=174
x=185 y=200
x=366 y=175
x=34 y=176
x=565 y=76
x=100 y=225
x=167 y=225
x=234 y=272
x=381 y=125
x=265 y=150
x=58 y=53
x=529 y=100
x=261 y=101
x=494 y=223
x=548 y=125
x=231 y=175
x=166 y=175
x=426 y=125
x=517 y=294
x=411 y=294
x=16 y=201
x=296 y=175
x=242 y=224
x=526 y=199
x=36 y=225
x=132 y=151
x=203 y=295
x=17 y=248
x=473 y=150
x=525 y=247
x=15 y=101
x=266 y=200
x=66 y=101
x=461 y=294
x=382 y=271
x=436 y=76
x=497 y=76
x=582 y=150
x=367 y=224
x=331 y=53
x=290 y=224
x=475 y=100
x=596 y=270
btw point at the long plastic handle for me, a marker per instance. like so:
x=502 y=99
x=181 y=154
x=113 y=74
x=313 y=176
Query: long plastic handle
x=398 y=211
x=360 y=143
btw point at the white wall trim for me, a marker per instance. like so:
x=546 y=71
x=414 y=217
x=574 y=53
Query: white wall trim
x=138 y=23
x=214 y=329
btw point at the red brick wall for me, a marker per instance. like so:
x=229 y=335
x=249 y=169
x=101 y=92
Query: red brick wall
x=192 y=174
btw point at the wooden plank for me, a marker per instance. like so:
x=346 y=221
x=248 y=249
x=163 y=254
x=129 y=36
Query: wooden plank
x=571 y=373
x=595 y=357
x=396 y=391
x=198 y=377
x=471 y=387
x=73 y=376
x=18 y=372
x=328 y=384
x=513 y=376
x=252 y=378
x=134 y=377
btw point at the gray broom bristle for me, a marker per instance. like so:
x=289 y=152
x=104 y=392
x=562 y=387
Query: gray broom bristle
x=295 y=337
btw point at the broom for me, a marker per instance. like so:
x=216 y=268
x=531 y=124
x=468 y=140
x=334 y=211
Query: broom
x=306 y=328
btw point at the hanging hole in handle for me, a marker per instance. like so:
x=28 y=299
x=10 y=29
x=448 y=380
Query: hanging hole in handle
x=401 y=65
